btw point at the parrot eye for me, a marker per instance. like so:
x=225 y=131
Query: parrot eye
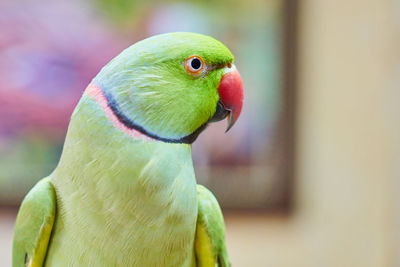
x=194 y=65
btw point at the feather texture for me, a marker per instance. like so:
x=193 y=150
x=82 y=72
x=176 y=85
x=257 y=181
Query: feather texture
x=124 y=196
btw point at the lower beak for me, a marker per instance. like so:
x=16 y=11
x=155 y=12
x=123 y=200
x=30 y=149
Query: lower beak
x=231 y=96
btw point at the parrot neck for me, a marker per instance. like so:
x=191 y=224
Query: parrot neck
x=95 y=131
x=111 y=108
x=115 y=117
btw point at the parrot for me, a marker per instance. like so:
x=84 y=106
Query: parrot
x=124 y=191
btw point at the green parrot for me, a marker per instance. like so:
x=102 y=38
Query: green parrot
x=124 y=191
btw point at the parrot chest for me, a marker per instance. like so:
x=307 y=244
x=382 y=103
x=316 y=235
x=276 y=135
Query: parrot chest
x=144 y=217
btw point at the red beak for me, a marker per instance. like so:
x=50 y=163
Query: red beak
x=231 y=94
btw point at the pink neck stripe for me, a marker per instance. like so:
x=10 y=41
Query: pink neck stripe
x=94 y=92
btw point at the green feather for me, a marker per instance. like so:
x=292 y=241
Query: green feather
x=124 y=201
x=34 y=225
x=210 y=231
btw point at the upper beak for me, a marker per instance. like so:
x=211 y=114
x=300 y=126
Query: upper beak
x=230 y=95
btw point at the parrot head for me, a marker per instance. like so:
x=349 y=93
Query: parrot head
x=170 y=86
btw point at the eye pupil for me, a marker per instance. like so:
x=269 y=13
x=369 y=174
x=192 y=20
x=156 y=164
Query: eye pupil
x=195 y=64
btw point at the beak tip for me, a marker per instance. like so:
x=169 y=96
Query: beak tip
x=231 y=121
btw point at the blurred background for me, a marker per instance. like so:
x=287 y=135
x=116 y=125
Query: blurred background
x=310 y=174
x=51 y=50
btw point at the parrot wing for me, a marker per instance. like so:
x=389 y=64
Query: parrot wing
x=210 y=248
x=34 y=225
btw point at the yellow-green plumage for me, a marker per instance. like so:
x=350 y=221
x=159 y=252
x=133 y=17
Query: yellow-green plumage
x=34 y=225
x=210 y=238
x=116 y=200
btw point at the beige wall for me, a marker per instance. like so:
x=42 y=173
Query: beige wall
x=349 y=129
x=347 y=211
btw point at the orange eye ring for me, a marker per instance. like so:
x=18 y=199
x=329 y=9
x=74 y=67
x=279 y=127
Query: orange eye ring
x=194 y=65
